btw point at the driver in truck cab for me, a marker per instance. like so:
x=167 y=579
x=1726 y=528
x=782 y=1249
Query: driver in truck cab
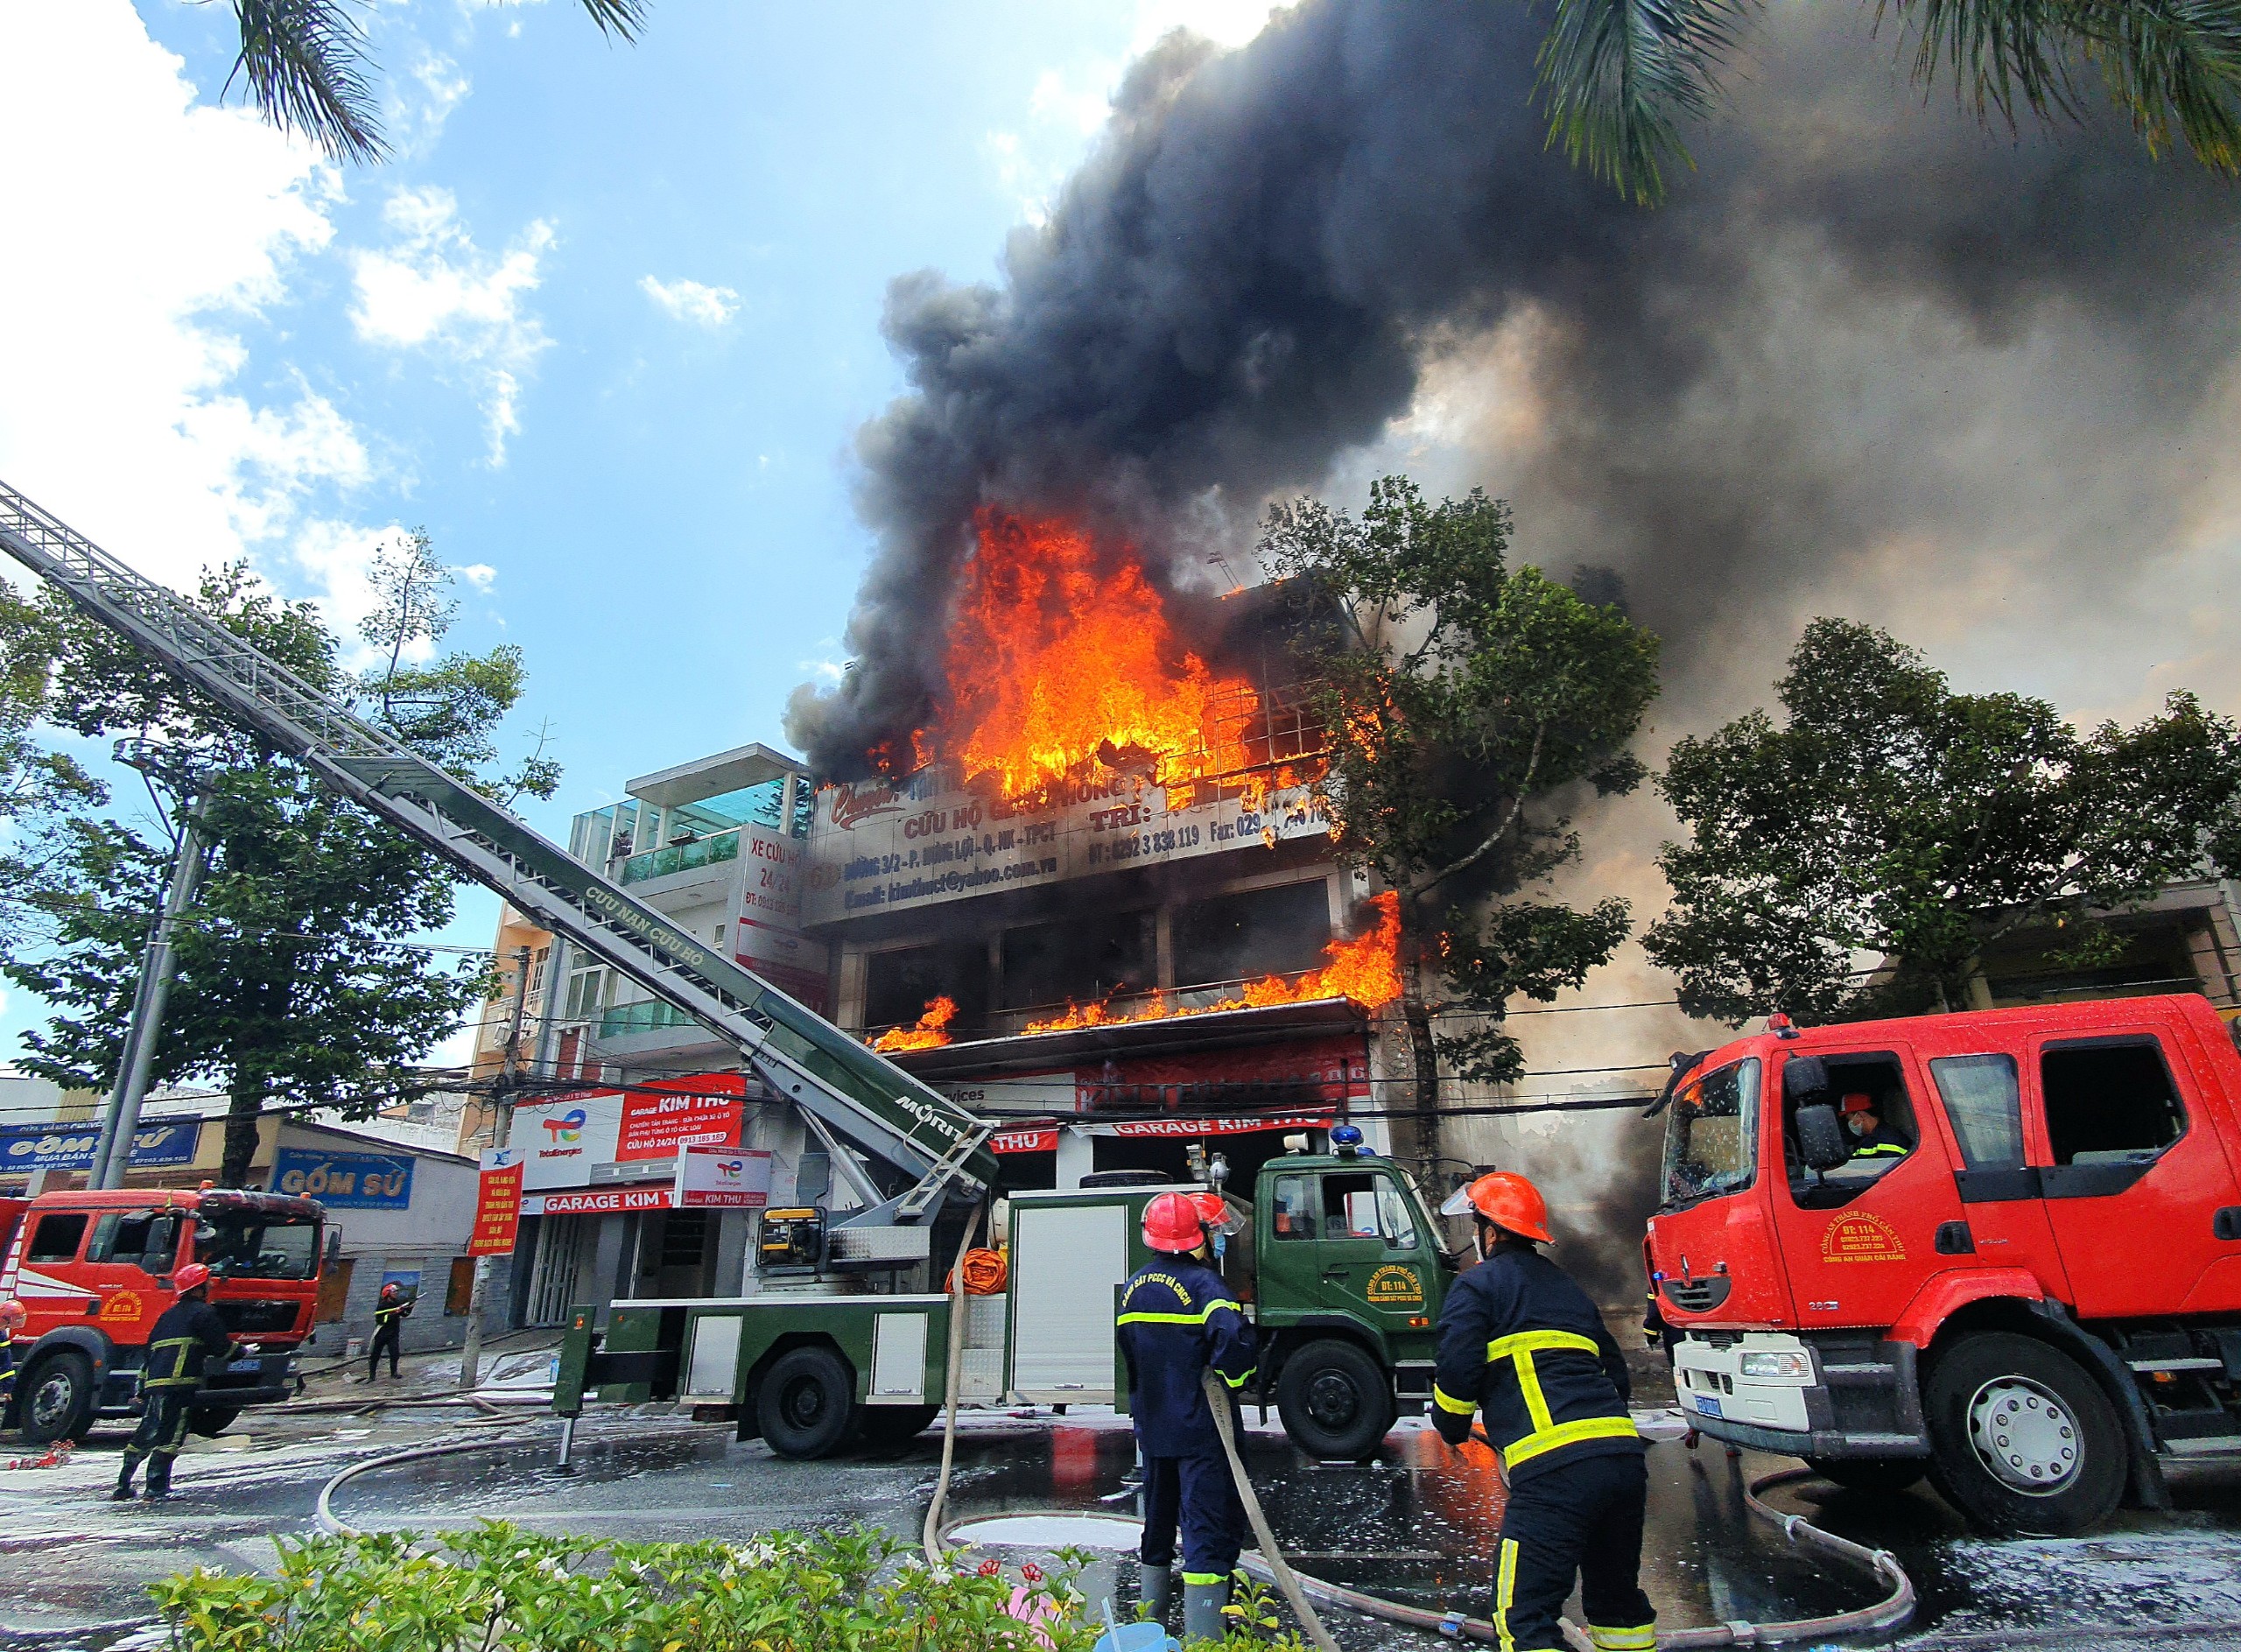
x=1520 y=1341
x=1178 y=1320
x=1872 y=1138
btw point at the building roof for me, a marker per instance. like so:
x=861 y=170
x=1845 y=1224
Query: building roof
x=713 y=776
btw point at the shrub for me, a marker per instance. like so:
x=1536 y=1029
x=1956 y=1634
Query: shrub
x=500 y=1589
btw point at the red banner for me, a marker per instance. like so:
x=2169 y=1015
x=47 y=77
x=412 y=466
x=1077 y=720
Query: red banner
x=1193 y=1128
x=656 y=1124
x=497 y=1204
x=600 y=1201
x=1035 y=1139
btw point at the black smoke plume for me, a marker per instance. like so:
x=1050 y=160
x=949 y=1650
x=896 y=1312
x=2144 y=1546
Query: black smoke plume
x=1246 y=280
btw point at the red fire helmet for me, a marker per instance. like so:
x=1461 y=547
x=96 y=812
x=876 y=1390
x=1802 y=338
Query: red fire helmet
x=189 y=1276
x=12 y=1313
x=1173 y=1223
x=1508 y=1200
x=1214 y=1211
x=1858 y=1102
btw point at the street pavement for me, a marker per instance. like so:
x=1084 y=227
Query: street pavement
x=1417 y=1525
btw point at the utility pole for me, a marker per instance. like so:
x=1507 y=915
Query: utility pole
x=159 y=963
x=470 y=1365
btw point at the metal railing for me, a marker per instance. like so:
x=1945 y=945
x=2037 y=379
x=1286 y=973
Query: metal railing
x=681 y=857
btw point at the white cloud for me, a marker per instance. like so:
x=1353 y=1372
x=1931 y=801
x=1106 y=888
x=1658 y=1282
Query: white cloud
x=480 y=575
x=143 y=221
x=419 y=103
x=432 y=289
x=692 y=301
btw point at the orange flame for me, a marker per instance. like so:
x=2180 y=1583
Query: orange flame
x=929 y=1034
x=1366 y=969
x=1056 y=664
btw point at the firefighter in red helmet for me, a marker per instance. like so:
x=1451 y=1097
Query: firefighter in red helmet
x=187 y=1339
x=1178 y=1320
x=1520 y=1341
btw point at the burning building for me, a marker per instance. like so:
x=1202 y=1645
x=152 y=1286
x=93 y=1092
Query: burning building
x=1095 y=893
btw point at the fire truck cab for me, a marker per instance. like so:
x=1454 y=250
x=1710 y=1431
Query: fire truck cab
x=2001 y=1248
x=94 y=1271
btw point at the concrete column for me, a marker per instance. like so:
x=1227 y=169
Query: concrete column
x=731 y=1229
x=1076 y=1157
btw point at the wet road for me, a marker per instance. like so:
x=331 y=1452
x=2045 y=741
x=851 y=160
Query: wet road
x=1413 y=1526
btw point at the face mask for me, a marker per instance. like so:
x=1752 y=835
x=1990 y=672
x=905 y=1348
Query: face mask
x=1858 y=1124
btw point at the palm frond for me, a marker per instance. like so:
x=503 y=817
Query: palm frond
x=2176 y=63
x=1616 y=78
x=2167 y=64
x=304 y=64
x=623 y=18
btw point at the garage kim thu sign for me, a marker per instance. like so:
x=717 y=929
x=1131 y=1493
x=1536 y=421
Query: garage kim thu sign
x=722 y=1178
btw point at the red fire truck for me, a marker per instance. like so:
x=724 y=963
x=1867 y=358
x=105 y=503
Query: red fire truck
x=94 y=1270
x=2000 y=1248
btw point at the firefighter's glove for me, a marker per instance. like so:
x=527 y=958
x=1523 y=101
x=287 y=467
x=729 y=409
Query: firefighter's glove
x=1454 y=1426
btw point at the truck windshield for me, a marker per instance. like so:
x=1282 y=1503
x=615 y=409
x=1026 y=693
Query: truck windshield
x=253 y=1245
x=1710 y=1135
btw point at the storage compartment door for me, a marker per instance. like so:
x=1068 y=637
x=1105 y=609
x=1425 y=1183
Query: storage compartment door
x=1065 y=1262
x=714 y=1369
x=898 y=1360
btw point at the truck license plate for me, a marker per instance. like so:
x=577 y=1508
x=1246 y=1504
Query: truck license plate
x=1708 y=1405
x=253 y=1363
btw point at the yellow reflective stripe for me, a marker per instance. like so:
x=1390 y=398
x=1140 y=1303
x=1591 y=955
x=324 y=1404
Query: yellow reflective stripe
x=1640 y=1640
x=1564 y=1434
x=1538 y=1342
x=1447 y=1402
x=1199 y=1318
x=1528 y=1385
x=1504 y=1593
x=1201 y=1579
x=174 y=1379
x=1240 y=1382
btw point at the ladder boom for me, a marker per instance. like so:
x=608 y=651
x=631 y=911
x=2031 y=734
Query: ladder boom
x=863 y=1097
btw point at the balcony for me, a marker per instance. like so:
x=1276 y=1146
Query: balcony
x=653 y=1016
x=681 y=857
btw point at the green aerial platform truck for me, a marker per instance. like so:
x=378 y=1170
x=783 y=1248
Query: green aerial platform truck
x=1338 y=1261
x=1340 y=1265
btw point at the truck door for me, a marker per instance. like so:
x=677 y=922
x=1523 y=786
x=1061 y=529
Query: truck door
x=128 y=1250
x=1861 y=1239
x=1979 y=1092
x=2133 y=1178
x=1369 y=1255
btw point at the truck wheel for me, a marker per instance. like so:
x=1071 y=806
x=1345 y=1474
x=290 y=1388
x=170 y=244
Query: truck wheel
x=58 y=1398
x=212 y=1419
x=1334 y=1400
x=806 y=1403
x=886 y=1427
x=1879 y=1476
x=2025 y=1442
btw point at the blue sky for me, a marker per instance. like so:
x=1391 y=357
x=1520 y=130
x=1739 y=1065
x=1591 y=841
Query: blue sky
x=605 y=324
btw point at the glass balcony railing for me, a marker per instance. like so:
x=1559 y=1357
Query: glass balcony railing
x=681 y=857
x=651 y=1017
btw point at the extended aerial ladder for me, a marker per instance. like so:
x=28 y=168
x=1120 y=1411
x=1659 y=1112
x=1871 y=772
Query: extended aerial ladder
x=836 y=1081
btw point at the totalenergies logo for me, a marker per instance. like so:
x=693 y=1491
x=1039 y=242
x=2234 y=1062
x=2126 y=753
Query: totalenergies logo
x=731 y=1170
x=569 y=1126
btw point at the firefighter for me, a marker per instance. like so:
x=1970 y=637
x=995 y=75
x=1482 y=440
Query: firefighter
x=1872 y=1138
x=1176 y=1320
x=1520 y=1341
x=184 y=1340
x=12 y=1320
x=390 y=1312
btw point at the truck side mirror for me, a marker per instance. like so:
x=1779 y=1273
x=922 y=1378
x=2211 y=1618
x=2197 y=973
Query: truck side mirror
x=1820 y=1139
x=1803 y=1076
x=334 y=1246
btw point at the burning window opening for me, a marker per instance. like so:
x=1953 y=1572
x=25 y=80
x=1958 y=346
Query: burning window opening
x=1062 y=664
x=930 y=1033
x=1366 y=969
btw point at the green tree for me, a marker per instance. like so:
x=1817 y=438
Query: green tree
x=1467 y=703
x=294 y=987
x=307 y=68
x=1616 y=78
x=1855 y=860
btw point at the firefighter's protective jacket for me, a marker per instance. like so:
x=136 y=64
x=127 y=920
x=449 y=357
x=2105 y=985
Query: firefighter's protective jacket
x=1176 y=1319
x=188 y=1332
x=1520 y=1340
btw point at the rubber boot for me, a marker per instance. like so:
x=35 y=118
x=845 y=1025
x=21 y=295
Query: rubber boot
x=1155 y=1588
x=1202 y=1611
